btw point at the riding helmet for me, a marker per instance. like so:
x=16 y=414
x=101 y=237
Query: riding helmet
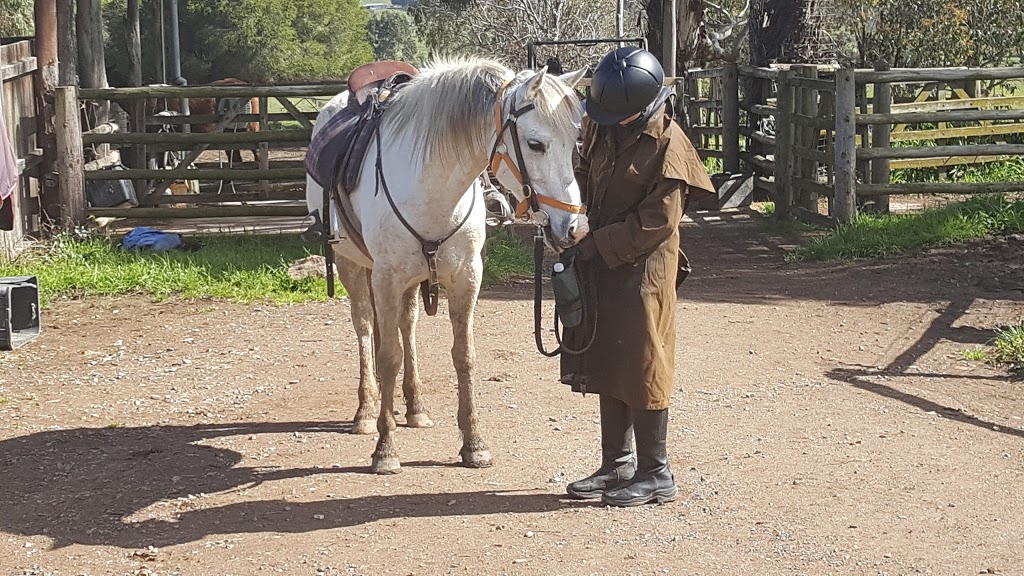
x=625 y=82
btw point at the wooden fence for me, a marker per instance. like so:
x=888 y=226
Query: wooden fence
x=200 y=180
x=18 y=103
x=820 y=141
x=823 y=141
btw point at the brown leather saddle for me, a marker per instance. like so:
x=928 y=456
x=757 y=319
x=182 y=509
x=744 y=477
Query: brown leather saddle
x=335 y=155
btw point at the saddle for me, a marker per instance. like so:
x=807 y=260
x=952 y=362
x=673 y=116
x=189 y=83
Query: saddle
x=335 y=155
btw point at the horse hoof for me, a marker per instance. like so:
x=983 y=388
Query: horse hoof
x=420 y=420
x=364 y=427
x=477 y=459
x=388 y=465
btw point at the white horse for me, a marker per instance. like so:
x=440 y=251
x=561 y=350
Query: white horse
x=438 y=135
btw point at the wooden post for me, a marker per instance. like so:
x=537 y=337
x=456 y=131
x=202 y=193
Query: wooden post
x=784 y=132
x=807 y=105
x=620 y=6
x=669 y=41
x=881 y=138
x=70 y=160
x=139 y=157
x=264 y=146
x=846 y=146
x=863 y=166
x=730 y=118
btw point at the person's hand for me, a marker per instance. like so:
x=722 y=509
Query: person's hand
x=586 y=249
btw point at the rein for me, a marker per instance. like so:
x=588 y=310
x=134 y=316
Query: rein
x=538 y=264
x=531 y=202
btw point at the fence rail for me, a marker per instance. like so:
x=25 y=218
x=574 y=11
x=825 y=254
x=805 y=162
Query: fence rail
x=812 y=133
x=821 y=141
x=179 y=159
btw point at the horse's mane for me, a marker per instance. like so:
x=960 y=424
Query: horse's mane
x=441 y=110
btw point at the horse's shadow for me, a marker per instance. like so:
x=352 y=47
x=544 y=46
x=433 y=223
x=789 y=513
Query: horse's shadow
x=80 y=485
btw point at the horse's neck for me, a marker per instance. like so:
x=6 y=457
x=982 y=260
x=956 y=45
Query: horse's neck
x=442 y=182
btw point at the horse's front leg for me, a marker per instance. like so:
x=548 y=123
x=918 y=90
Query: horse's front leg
x=356 y=280
x=387 y=299
x=463 y=291
x=416 y=414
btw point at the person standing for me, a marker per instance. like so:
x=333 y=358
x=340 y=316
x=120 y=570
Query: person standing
x=637 y=172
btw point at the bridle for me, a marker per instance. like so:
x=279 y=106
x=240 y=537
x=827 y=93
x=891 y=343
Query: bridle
x=531 y=200
x=531 y=203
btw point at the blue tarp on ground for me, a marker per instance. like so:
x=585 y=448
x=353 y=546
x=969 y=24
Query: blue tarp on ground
x=144 y=238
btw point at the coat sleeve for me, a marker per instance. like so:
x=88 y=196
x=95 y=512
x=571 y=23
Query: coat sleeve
x=655 y=219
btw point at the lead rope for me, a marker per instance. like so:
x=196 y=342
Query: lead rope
x=538 y=265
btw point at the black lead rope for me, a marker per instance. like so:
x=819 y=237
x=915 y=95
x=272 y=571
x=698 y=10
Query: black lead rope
x=538 y=298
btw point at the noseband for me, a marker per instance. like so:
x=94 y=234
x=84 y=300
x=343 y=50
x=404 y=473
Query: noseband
x=531 y=200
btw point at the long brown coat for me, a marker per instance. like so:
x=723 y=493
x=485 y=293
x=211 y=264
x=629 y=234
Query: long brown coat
x=635 y=195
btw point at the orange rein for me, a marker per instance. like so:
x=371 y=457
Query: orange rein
x=501 y=155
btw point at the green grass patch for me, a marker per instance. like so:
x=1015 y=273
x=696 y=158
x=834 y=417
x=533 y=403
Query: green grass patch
x=1009 y=347
x=3 y=401
x=871 y=236
x=974 y=355
x=242 y=268
x=237 y=268
x=507 y=258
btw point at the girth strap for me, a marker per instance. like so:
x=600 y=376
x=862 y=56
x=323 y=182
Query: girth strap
x=429 y=287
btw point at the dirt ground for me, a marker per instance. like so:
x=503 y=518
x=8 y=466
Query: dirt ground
x=824 y=422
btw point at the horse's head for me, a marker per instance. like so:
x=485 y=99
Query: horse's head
x=535 y=154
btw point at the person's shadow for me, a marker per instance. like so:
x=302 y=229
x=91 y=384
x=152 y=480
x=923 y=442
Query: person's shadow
x=79 y=485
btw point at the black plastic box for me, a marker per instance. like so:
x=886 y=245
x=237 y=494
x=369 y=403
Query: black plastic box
x=110 y=193
x=19 y=311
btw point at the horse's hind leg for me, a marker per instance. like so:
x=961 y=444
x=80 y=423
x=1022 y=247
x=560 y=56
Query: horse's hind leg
x=416 y=414
x=462 y=296
x=356 y=280
x=387 y=299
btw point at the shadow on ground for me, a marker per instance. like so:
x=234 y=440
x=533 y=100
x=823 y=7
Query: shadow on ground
x=79 y=485
x=737 y=258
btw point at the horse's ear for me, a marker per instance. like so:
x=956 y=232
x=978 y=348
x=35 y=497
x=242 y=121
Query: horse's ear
x=573 y=78
x=533 y=88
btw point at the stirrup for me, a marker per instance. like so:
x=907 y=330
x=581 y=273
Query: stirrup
x=499 y=211
x=315 y=232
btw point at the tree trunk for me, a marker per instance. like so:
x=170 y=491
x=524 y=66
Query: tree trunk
x=92 y=68
x=134 y=42
x=655 y=23
x=91 y=60
x=67 y=46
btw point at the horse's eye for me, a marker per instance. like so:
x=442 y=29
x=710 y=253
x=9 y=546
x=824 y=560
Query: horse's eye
x=537 y=146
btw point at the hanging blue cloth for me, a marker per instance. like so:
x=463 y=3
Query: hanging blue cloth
x=144 y=238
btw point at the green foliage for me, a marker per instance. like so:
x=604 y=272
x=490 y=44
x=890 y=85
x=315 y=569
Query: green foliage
x=974 y=355
x=872 y=236
x=273 y=41
x=438 y=26
x=16 y=18
x=923 y=33
x=1009 y=346
x=392 y=34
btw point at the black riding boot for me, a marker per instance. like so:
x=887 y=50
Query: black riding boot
x=617 y=464
x=653 y=481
